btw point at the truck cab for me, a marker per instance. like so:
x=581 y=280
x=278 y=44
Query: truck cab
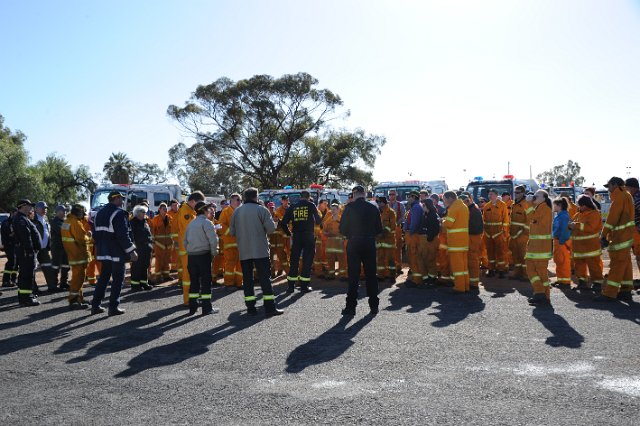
x=133 y=194
x=480 y=187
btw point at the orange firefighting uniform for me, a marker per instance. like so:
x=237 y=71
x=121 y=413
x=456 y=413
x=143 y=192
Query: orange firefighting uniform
x=184 y=216
x=586 y=245
x=457 y=225
x=386 y=243
x=539 y=249
x=415 y=251
x=174 y=262
x=320 y=258
x=335 y=247
x=519 y=231
x=75 y=239
x=399 y=242
x=163 y=245
x=496 y=225
x=508 y=255
x=619 y=230
x=232 y=268
x=283 y=250
x=94 y=266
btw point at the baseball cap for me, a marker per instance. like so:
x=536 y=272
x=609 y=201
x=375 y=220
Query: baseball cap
x=632 y=183
x=24 y=203
x=358 y=188
x=114 y=194
x=615 y=181
x=414 y=194
x=41 y=205
x=60 y=207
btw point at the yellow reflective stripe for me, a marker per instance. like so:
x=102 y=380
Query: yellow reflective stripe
x=614 y=283
x=530 y=210
x=608 y=225
x=68 y=239
x=387 y=228
x=230 y=245
x=332 y=250
x=194 y=295
x=540 y=237
x=442 y=247
x=539 y=256
x=182 y=253
x=78 y=262
x=496 y=235
x=159 y=244
x=249 y=298
x=449 y=219
x=626 y=225
x=458 y=230
x=586 y=237
x=458 y=274
x=493 y=223
x=580 y=255
x=21 y=291
x=524 y=225
x=458 y=249
x=621 y=246
x=268 y=297
x=205 y=296
x=162 y=236
x=305 y=279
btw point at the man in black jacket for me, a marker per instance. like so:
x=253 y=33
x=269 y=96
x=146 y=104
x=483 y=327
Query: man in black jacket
x=27 y=245
x=360 y=224
x=304 y=216
x=476 y=228
x=10 y=274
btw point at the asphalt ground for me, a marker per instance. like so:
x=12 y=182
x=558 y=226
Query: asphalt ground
x=427 y=358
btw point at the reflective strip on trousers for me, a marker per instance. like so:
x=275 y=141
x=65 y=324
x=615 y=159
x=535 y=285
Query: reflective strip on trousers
x=194 y=295
x=186 y=283
x=305 y=279
x=266 y=297
x=585 y=237
x=21 y=291
x=539 y=256
x=458 y=230
x=614 y=283
x=292 y=278
x=540 y=237
x=249 y=298
x=621 y=246
x=582 y=255
x=205 y=296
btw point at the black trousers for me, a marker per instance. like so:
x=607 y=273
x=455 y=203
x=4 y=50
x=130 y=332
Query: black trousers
x=44 y=259
x=140 y=268
x=27 y=266
x=362 y=251
x=305 y=244
x=60 y=264
x=11 y=267
x=263 y=267
x=199 y=266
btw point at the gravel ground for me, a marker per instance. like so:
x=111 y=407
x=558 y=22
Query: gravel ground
x=427 y=358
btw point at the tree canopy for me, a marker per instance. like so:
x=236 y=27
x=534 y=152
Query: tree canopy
x=52 y=180
x=562 y=175
x=120 y=169
x=269 y=132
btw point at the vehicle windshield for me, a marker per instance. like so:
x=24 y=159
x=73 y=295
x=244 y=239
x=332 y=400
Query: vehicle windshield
x=481 y=189
x=403 y=191
x=100 y=199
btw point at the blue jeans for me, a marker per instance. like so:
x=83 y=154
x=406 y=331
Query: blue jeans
x=115 y=272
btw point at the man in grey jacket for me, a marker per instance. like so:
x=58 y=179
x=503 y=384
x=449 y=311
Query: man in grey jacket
x=250 y=224
x=201 y=244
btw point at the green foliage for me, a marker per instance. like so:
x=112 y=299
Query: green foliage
x=51 y=180
x=266 y=131
x=148 y=173
x=119 y=168
x=562 y=175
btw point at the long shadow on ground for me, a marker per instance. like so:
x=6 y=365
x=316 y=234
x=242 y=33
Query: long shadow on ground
x=328 y=346
x=189 y=347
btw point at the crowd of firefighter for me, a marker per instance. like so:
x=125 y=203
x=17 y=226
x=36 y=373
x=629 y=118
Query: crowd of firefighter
x=448 y=240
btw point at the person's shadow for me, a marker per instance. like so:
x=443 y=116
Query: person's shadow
x=328 y=346
x=563 y=335
x=189 y=347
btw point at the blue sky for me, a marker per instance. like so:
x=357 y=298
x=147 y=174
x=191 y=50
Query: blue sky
x=459 y=88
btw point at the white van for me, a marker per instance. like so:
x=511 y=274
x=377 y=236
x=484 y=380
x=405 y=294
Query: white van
x=133 y=194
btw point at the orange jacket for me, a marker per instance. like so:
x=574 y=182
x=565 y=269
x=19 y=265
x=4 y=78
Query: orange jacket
x=620 y=226
x=184 y=216
x=388 y=218
x=586 y=234
x=540 y=244
x=456 y=223
x=161 y=231
x=496 y=221
x=174 y=224
x=572 y=209
x=520 y=219
x=75 y=239
x=225 y=221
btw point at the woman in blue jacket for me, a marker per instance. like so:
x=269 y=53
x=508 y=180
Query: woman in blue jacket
x=562 y=242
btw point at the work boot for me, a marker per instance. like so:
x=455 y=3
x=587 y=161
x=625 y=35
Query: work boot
x=135 y=288
x=208 y=309
x=146 y=286
x=374 y=306
x=251 y=310
x=349 y=312
x=193 y=306
x=29 y=300
x=64 y=286
x=54 y=289
x=270 y=309
x=539 y=299
x=603 y=298
x=597 y=287
x=98 y=310
x=625 y=296
x=77 y=304
x=636 y=284
x=305 y=288
x=582 y=285
x=115 y=311
x=291 y=287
